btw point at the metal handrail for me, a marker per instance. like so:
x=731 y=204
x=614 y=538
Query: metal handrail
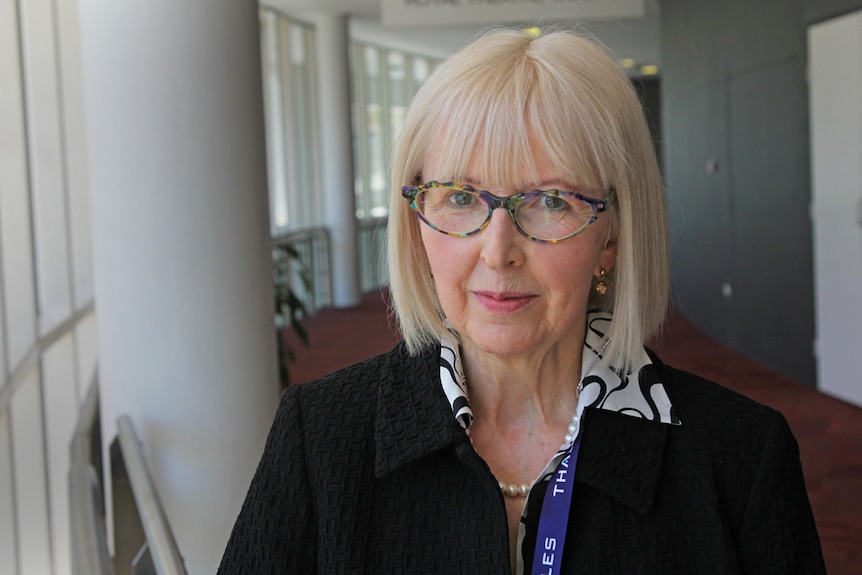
x=314 y=249
x=162 y=545
x=312 y=244
x=90 y=554
x=300 y=235
x=89 y=540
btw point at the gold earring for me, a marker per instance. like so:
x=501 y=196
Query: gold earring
x=602 y=284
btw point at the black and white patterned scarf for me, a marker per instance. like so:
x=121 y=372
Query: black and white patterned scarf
x=635 y=391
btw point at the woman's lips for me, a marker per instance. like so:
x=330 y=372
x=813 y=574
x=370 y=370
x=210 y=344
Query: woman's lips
x=503 y=302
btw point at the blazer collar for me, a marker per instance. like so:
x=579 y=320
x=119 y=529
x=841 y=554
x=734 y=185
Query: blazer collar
x=620 y=455
x=413 y=417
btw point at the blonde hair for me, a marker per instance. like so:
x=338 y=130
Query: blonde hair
x=566 y=92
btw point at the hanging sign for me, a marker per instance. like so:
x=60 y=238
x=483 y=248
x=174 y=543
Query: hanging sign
x=444 y=12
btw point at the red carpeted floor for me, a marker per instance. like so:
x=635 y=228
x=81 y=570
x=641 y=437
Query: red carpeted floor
x=829 y=431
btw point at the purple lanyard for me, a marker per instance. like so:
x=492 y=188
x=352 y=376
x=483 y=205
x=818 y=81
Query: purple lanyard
x=548 y=555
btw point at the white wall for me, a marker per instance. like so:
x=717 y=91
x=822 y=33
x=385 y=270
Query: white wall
x=835 y=95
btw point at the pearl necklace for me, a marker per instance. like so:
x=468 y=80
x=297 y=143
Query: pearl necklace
x=515 y=490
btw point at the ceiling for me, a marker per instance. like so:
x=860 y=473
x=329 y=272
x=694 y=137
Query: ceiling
x=636 y=38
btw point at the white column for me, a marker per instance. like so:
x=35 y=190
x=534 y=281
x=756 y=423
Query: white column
x=174 y=115
x=337 y=155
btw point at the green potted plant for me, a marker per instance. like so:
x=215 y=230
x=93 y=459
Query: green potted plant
x=290 y=310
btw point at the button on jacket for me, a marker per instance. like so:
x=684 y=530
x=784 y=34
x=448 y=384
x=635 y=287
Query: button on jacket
x=367 y=471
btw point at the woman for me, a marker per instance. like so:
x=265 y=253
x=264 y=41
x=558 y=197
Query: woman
x=520 y=426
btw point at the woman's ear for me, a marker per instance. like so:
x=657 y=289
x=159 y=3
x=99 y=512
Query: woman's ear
x=607 y=257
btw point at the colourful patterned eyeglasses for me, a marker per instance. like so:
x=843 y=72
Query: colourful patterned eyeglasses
x=542 y=215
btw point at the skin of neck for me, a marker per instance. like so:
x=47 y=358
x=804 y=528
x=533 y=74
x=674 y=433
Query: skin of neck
x=525 y=394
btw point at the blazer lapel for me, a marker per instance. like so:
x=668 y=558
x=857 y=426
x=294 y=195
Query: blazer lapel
x=622 y=456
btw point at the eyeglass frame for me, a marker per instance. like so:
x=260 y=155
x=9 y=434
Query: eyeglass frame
x=510 y=203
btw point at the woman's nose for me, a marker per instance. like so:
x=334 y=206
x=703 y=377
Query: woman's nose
x=502 y=243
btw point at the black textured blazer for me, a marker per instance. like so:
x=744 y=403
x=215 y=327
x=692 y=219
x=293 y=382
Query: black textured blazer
x=367 y=471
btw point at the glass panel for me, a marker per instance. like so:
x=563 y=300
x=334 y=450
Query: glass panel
x=306 y=188
x=399 y=98
x=74 y=135
x=47 y=163
x=289 y=71
x=375 y=131
x=360 y=155
x=299 y=117
x=421 y=71
x=28 y=443
x=396 y=70
x=61 y=409
x=8 y=552
x=288 y=119
x=274 y=121
x=19 y=300
x=384 y=82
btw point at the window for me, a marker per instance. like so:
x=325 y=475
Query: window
x=290 y=96
x=384 y=82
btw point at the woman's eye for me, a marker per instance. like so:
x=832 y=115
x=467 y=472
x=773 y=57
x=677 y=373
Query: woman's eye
x=461 y=199
x=552 y=203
